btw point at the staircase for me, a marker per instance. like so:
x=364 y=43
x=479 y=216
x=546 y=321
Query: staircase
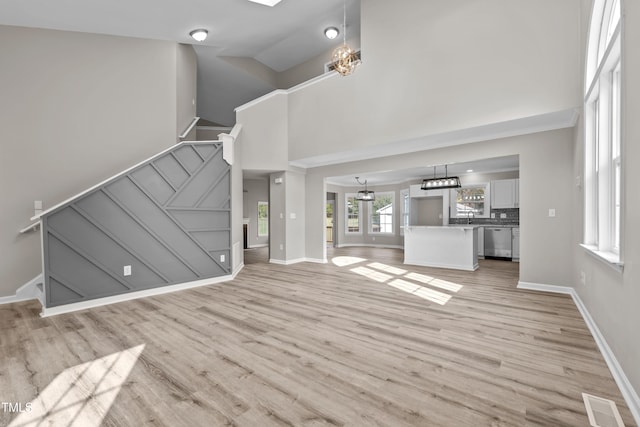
x=162 y=225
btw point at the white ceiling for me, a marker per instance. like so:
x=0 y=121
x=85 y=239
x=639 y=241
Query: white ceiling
x=483 y=166
x=280 y=37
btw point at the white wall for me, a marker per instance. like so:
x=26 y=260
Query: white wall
x=75 y=109
x=265 y=135
x=443 y=66
x=295 y=218
x=186 y=88
x=277 y=221
x=611 y=297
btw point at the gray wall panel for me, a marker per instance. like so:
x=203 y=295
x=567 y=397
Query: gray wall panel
x=75 y=271
x=109 y=216
x=59 y=292
x=205 y=151
x=217 y=195
x=195 y=220
x=189 y=158
x=95 y=244
x=149 y=219
x=156 y=184
x=172 y=170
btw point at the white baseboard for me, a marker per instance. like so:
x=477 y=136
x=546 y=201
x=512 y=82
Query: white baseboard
x=297 y=261
x=68 y=308
x=367 y=245
x=26 y=292
x=263 y=245
x=464 y=267
x=628 y=392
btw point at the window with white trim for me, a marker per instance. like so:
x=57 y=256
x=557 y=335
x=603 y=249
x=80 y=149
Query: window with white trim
x=603 y=142
x=263 y=219
x=405 y=207
x=381 y=213
x=352 y=214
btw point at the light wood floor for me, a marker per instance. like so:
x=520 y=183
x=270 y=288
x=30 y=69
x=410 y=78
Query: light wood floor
x=366 y=342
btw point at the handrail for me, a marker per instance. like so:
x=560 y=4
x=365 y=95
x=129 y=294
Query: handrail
x=32 y=227
x=188 y=129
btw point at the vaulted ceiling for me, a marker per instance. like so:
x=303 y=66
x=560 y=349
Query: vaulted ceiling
x=273 y=38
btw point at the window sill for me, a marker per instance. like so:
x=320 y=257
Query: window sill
x=609 y=258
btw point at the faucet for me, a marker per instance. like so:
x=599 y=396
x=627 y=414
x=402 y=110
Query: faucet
x=470 y=214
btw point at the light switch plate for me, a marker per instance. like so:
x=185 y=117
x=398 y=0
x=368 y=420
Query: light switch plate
x=503 y=215
x=127 y=270
x=552 y=213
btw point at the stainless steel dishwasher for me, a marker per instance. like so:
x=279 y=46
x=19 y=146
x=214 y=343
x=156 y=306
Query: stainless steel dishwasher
x=497 y=242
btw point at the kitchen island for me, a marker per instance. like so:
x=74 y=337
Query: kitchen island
x=447 y=246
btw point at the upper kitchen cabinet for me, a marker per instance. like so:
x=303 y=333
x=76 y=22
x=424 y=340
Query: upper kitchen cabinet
x=505 y=194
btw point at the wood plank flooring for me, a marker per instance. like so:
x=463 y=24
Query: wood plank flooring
x=361 y=341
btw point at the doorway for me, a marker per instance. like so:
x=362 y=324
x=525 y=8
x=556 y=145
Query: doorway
x=330 y=220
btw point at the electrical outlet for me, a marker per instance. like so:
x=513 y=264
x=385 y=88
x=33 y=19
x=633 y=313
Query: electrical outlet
x=583 y=278
x=503 y=215
x=222 y=258
x=127 y=270
x=373 y=238
x=281 y=247
x=493 y=215
x=552 y=213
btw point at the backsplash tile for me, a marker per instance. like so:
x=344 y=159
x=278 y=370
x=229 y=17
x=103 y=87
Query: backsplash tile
x=513 y=218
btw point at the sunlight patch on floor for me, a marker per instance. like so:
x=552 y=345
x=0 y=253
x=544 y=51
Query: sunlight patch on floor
x=431 y=281
x=83 y=394
x=387 y=268
x=402 y=279
x=422 y=292
x=372 y=274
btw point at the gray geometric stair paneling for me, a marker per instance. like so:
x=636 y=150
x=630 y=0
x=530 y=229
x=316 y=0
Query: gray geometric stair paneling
x=169 y=219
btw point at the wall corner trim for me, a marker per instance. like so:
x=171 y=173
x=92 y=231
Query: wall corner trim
x=628 y=392
x=69 y=308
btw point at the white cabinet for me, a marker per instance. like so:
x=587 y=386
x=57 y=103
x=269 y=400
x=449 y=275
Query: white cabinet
x=515 y=244
x=505 y=194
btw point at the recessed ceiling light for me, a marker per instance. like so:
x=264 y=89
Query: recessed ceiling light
x=199 y=35
x=469 y=170
x=331 y=33
x=267 y=2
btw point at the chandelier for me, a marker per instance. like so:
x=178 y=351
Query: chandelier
x=439 y=183
x=344 y=58
x=365 y=195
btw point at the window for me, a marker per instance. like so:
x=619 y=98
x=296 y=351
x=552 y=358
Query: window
x=263 y=219
x=603 y=142
x=405 y=207
x=352 y=214
x=471 y=201
x=381 y=213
